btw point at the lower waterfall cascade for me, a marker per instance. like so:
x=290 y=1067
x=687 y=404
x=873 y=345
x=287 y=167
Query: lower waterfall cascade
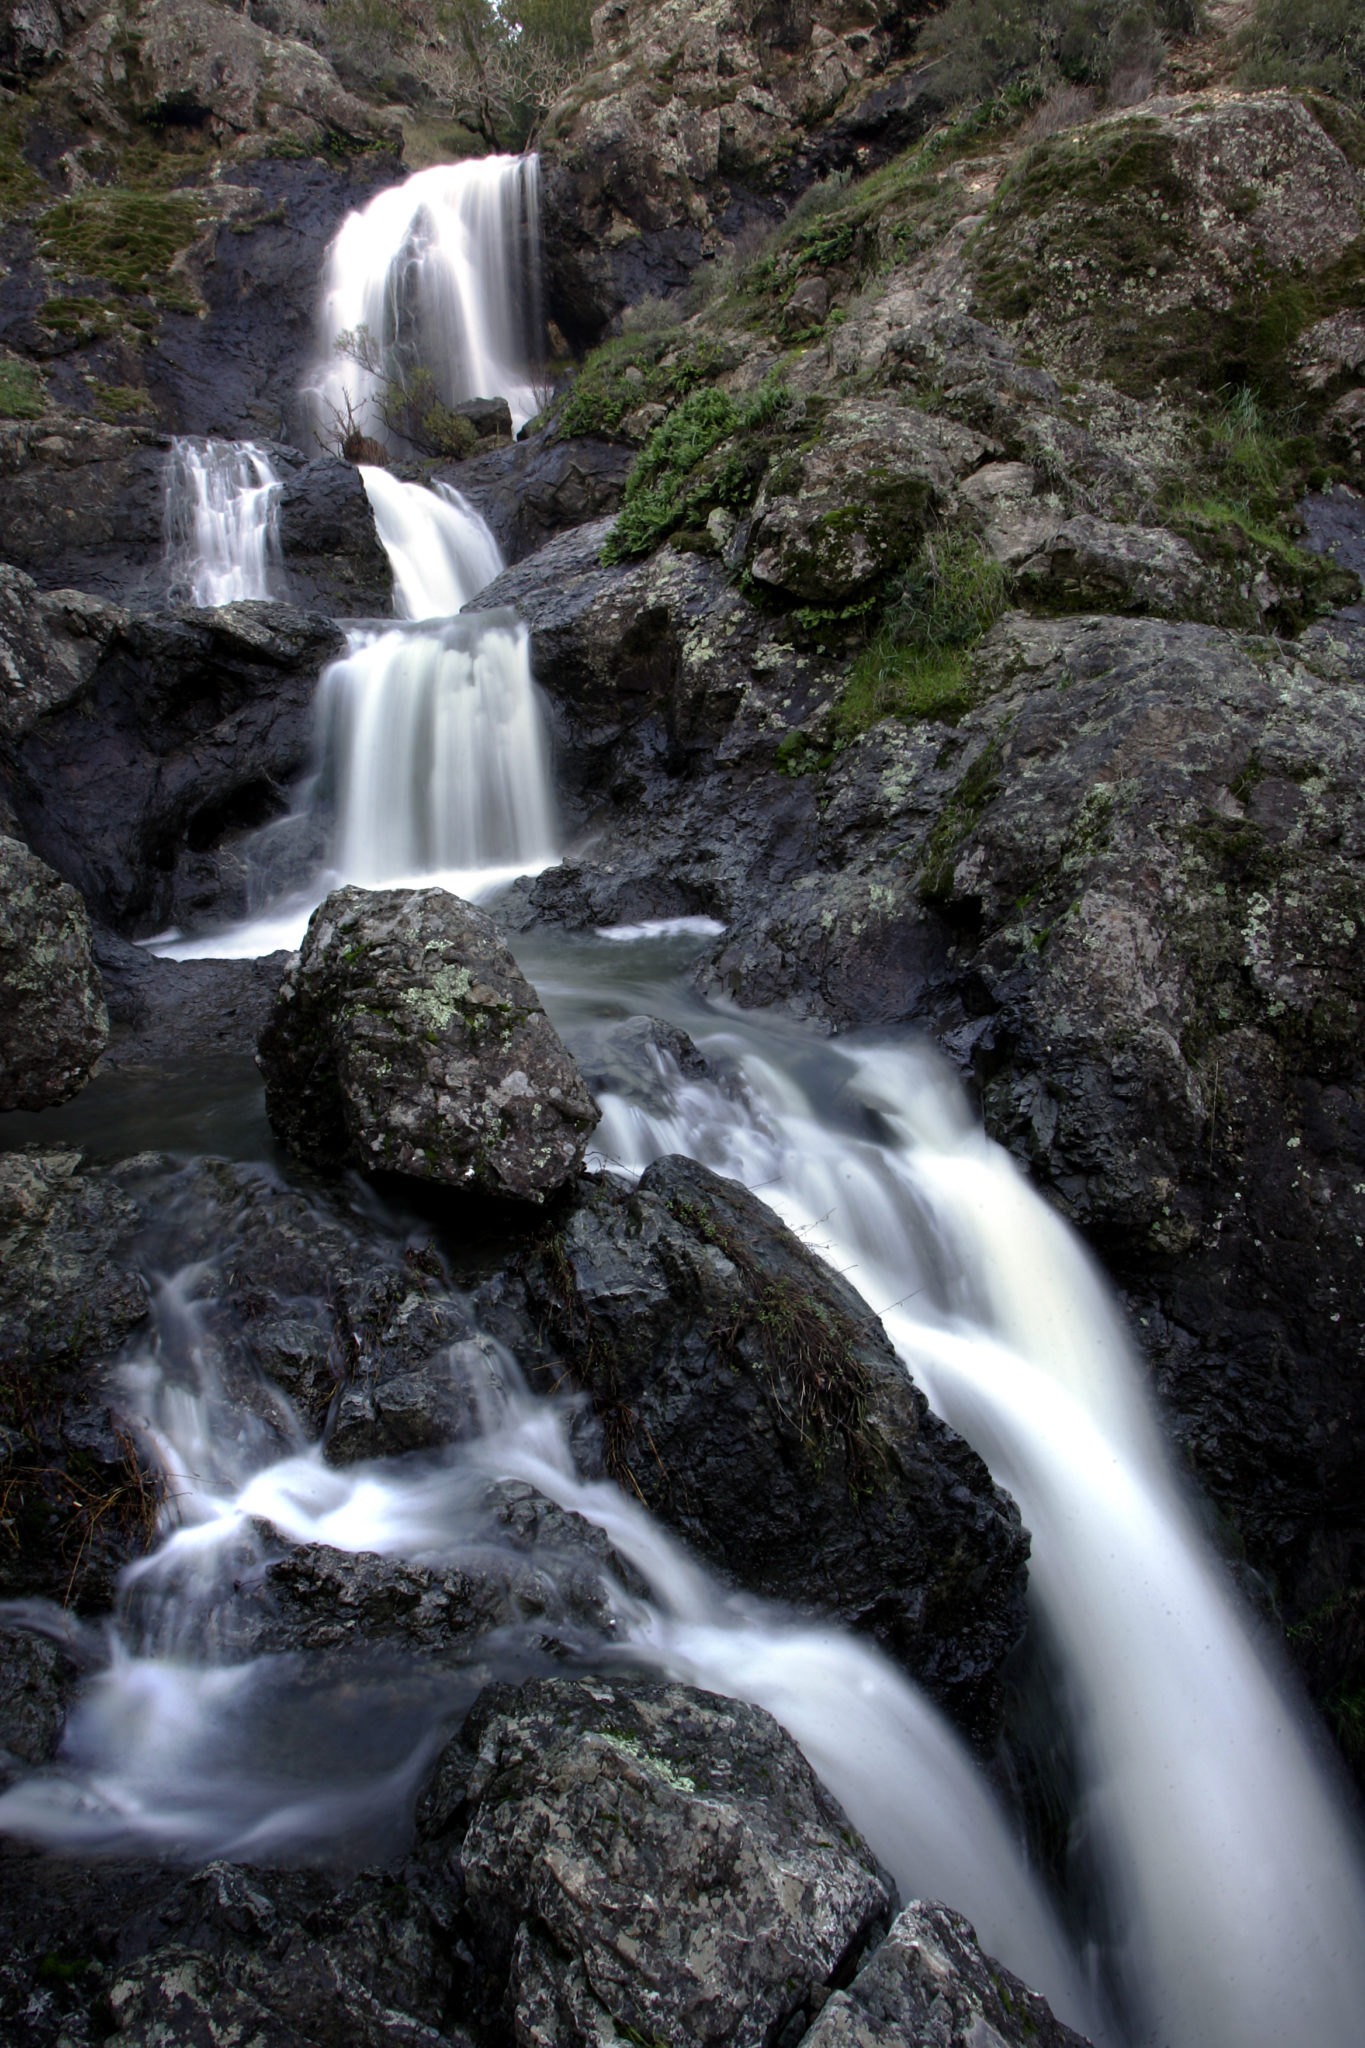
x=221 y=520
x=1222 y=1895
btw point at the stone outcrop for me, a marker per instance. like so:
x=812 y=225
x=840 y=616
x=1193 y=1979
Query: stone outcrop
x=649 y=1858
x=752 y=1401
x=194 y=62
x=132 y=748
x=693 y=122
x=408 y=1040
x=53 y=1022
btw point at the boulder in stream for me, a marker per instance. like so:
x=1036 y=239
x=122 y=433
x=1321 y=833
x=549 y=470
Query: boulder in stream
x=650 y=1862
x=408 y=1039
x=930 y=1986
x=53 y=1023
x=751 y=1399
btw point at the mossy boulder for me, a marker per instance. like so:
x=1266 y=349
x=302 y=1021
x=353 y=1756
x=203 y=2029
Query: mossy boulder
x=53 y=1023
x=1194 y=239
x=854 y=500
x=407 y=1039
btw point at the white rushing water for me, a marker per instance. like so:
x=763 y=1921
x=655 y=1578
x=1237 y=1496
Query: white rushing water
x=442 y=272
x=1217 y=1898
x=221 y=520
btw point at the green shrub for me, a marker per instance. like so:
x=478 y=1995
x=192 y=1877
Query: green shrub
x=1111 y=45
x=1316 y=43
x=21 y=390
x=917 y=665
x=688 y=466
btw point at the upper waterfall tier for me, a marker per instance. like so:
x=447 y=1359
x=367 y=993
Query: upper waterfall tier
x=443 y=272
x=221 y=520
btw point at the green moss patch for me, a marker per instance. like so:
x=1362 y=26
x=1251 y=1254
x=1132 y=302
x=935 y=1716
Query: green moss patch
x=917 y=666
x=21 y=390
x=130 y=239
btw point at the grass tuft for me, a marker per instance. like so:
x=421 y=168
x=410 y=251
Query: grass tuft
x=917 y=666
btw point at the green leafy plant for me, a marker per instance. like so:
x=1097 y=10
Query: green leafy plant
x=687 y=467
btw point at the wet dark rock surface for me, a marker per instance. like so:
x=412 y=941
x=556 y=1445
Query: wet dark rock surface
x=930 y=1982
x=650 y=1857
x=752 y=1401
x=532 y=490
x=407 y=1038
x=163 y=1010
x=595 y=1857
x=150 y=742
x=53 y=1021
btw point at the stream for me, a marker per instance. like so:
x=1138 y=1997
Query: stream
x=1214 y=1895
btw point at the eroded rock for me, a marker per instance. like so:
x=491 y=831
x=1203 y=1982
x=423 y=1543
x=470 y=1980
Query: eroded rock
x=407 y=1038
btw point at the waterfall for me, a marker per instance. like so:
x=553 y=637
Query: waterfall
x=439 y=548
x=221 y=520
x=1217 y=1897
x=432 y=735
x=434 y=742
x=442 y=272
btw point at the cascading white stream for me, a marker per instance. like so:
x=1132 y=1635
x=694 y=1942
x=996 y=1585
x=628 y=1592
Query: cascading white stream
x=442 y=271
x=221 y=520
x=1224 y=1850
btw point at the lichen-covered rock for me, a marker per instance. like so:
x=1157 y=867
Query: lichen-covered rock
x=408 y=1039
x=930 y=1986
x=191 y=61
x=53 y=1023
x=691 y=113
x=831 y=517
x=1089 y=564
x=751 y=1399
x=655 y=1862
x=1175 y=239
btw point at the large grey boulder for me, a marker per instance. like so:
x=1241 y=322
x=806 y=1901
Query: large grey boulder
x=930 y=1986
x=857 y=499
x=650 y=1862
x=53 y=1023
x=407 y=1038
x=752 y=1401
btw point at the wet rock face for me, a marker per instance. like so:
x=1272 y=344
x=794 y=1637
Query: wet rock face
x=79 y=1501
x=649 y=1858
x=752 y=1401
x=930 y=1983
x=148 y=742
x=407 y=1038
x=53 y=1022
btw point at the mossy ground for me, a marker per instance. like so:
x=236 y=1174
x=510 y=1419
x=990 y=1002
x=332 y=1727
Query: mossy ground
x=21 y=390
